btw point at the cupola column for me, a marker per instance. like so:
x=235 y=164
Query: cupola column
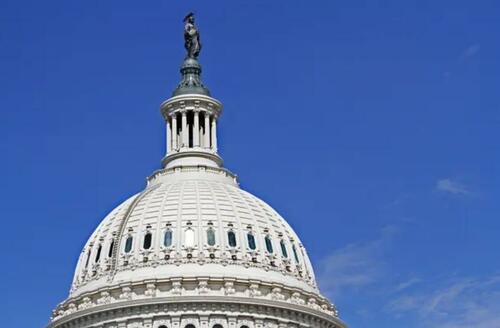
x=206 y=136
x=185 y=132
x=196 y=129
x=214 y=133
x=174 y=132
x=169 y=137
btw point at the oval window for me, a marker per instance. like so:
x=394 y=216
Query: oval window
x=269 y=244
x=110 y=251
x=251 y=241
x=210 y=237
x=98 y=255
x=128 y=244
x=231 y=238
x=283 y=249
x=148 y=238
x=295 y=254
x=167 y=238
x=189 y=238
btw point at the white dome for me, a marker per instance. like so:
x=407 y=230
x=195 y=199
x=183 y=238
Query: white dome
x=193 y=250
x=194 y=204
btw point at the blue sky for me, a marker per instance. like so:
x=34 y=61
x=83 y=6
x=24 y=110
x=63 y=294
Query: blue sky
x=372 y=126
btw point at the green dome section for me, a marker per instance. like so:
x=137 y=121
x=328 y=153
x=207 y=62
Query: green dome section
x=191 y=79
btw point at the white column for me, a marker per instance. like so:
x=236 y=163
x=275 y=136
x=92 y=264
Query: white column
x=185 y=132
x=168 y=126
x=196 y=129
x=174 y=132
x=214 y=133
x=206 y=140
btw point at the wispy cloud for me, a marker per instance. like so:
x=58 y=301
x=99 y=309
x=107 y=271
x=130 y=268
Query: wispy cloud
x=471 y=51
x=407 y=284
x=467 y=54
x=458 y=302
x=355 y=265
x=451 y=186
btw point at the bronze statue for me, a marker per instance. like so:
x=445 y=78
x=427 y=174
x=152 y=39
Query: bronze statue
x=191 y=37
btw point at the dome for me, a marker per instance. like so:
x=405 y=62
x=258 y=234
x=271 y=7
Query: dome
x=189 y=222
x=194 y=250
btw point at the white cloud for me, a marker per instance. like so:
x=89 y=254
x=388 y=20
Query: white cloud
x=355 y=265
x=458 y=303
x=451 y=186
x=471 y=51
x=407 y=284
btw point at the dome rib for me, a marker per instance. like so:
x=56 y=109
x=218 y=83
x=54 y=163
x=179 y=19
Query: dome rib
x=123 y=223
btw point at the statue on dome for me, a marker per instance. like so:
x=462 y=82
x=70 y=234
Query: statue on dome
x=191 y=37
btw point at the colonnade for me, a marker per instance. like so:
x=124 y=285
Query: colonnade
x=191 y=129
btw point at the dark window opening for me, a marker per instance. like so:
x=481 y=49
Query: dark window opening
x=88 y=259
x=231 y=238
x=111 y=246
x=269 y=244
x=128 y=244
x=98 y=255
x=283 y=249
x=295 y=254
x=147 y=240
x=251 y=241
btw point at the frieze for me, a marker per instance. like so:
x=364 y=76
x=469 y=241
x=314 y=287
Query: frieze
x=151 y=290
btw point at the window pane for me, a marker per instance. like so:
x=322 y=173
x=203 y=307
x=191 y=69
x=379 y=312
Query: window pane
x=98 y=256
x=251 y=241
x=128 y=244
x=269 y=244
x=189 y=238
x=283 y=249
x=231 y=238
x=167 y=239
x=110 y=251
x=147 y=241
x=210 y=237
x=295 y=254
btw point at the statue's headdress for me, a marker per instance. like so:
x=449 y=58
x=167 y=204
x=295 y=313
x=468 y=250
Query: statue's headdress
x=188 y=16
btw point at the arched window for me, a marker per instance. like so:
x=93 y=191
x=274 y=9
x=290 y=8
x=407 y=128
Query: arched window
x=98 y=255
x=231 y=238
x=190 y=326
x=217 y=326
x=295 y=254
x=111 y=246
x=167 y=238
x=128 y=244
x=148 y=238
x=283 y=248
x=244 y=327
x=162 y=327
x=269 y=244
x=189 y=238
x=211 y=237
x=251 y=241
